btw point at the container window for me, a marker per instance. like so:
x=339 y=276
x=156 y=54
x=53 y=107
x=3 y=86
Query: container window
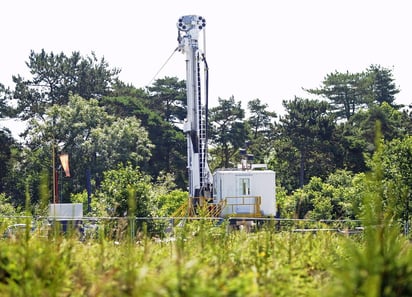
x=244 y=186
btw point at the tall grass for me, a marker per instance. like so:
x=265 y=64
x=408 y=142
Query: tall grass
x=381 y=264
x=200 y=260
x=203 y=259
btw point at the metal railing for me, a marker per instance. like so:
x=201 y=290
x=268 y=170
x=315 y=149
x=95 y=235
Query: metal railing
x=246 y=206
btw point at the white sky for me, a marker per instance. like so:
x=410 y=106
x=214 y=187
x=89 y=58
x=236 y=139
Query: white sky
x=255 y=49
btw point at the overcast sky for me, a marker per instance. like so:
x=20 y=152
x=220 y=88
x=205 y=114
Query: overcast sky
x=255 y=49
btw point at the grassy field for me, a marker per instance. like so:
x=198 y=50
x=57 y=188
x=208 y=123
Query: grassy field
x=204 y=260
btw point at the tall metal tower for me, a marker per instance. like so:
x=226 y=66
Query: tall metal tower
x=195 y=127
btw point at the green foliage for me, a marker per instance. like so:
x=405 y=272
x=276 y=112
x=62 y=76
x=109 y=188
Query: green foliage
x=381 y=85
x=396 y=159
x=359 y=100
x=336 y=198
x=5 y=108
x=284 y=160
x=193 y=264
x=55 y=76
x=362 y=125
x=169 y=202
x=349 y=92
x=168 y=98
x=227 y=132
x=284 y=205
x=381 y=265
x=167 y=199
x=93 y=139
x=6 y=207
x=308 y=127
x=347 y=190
x=314 y=201
x=344 y=90
x=6 y=147
x=321 y=197
x=261 y=125
x=112 y=122
x=118 y=187
x=169 y=151
x=81 y=198
x=352 y=145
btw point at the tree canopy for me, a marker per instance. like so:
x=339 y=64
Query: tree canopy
x=55 y=76
x=350 y=92
x=227 y=131
x=261 y=122
x=309 y=127
x=93 y=139
x=113 y=131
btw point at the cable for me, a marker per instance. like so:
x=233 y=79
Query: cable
x=161 y=68
x=206 y=97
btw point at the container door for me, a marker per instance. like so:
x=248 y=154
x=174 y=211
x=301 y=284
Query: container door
x=243 y=201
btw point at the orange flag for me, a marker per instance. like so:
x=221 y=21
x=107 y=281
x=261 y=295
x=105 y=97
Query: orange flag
x=64 y=159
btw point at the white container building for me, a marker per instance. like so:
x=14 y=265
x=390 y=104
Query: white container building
x=245 y=193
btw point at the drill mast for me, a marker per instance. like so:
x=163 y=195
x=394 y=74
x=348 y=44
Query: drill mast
x=195 y=126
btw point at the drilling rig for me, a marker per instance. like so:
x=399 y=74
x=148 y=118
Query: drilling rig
x=195 y=124
x=245 y=191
